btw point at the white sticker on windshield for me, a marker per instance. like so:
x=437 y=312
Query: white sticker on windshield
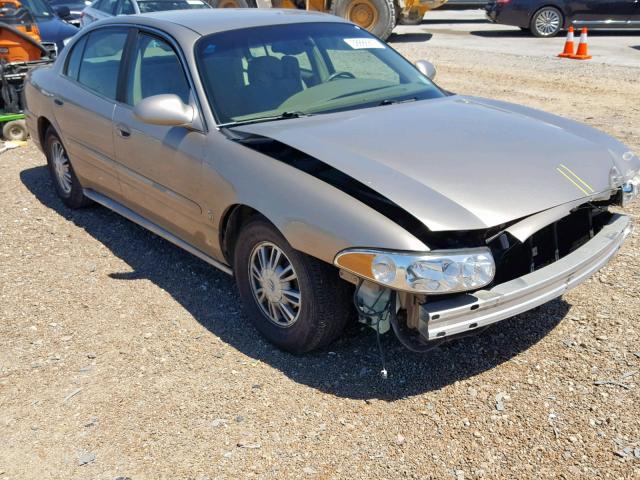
x=359 y=43
x=195 y=2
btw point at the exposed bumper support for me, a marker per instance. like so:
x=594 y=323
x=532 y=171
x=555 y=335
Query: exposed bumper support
x=462 y=313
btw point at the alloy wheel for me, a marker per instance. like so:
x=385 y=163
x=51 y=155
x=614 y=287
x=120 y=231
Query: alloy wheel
x=548 y=22
x=61 y=166
x=274 y=284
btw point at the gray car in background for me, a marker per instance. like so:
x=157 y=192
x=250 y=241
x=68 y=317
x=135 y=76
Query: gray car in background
x=304 y=156
x=100 y=9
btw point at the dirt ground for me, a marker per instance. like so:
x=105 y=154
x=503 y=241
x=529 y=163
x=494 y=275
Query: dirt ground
x=122 y=356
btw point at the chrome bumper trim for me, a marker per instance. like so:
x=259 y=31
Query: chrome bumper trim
x=462 y=313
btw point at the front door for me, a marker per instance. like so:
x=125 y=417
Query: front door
x=160 y=165
x=632 y=12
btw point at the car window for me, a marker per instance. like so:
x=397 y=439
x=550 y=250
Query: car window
x=38 y=8
x=147 y=6
x=100 y=63
x=258 y=73
x=156 y=70
x=361 y=63
x=107 y=6
x=74 y=58
x=125 y=8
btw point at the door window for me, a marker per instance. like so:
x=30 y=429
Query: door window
x=107 y=6
x=126 y=8
x=100 y=63
x=73 y=59
x=156 y=70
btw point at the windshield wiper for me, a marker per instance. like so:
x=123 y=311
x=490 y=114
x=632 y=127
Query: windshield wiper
x=269 y=118
x=388 y=101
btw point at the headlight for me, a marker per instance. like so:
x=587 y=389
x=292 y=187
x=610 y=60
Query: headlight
x=436 y=272
x=630 y=189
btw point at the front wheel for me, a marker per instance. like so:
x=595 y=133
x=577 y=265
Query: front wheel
x=296 y=301
x=546 y=22
x=376 y=16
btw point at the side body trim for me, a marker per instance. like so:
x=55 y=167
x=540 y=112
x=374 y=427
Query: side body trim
x=152 y=227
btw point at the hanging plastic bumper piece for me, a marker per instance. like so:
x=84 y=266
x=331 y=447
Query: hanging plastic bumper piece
x=465 y=312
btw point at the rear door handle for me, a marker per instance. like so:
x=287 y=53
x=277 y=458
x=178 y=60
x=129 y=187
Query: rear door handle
x=58 y=102
x=123 y=131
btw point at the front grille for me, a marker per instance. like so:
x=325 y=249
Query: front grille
x=515 y=259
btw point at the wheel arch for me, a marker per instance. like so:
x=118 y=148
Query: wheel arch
x=231 y=222
x=43 y=125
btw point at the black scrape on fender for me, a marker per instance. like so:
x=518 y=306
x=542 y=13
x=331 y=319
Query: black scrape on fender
x=334 y=177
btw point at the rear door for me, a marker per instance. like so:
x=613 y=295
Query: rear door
x=84 y=106
x=160 y=166
x=599 y=13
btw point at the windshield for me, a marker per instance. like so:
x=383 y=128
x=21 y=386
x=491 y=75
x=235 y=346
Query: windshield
x=298 y=69
x=147 y=6
x=38 y=8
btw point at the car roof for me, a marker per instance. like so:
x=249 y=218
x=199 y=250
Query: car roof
x=205 y=22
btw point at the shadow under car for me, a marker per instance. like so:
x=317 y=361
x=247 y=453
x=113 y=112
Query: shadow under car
x=349 y=368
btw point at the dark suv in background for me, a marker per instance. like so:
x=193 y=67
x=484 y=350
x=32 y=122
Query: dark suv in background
x=545 y=18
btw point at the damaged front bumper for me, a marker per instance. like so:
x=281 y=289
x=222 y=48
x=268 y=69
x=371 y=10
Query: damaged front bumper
x=462 y=313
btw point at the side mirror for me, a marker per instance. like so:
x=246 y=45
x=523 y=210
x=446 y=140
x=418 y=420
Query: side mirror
x=426 y=68
x=63 y=12
x=166 y=109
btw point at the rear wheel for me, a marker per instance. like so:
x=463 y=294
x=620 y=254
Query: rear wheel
x=376 y=16
x=546 y=22
x=64 y=178
x=296 y=301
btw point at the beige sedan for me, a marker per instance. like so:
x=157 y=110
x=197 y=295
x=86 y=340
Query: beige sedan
x=327 y=173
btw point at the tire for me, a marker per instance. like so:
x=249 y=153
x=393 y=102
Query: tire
x=15 y=131
x=229 y=3
x=324 y=298
x=68 y=189
x=376 y=16
x=546 y=22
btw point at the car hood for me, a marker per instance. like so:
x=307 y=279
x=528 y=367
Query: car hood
x=458 y=163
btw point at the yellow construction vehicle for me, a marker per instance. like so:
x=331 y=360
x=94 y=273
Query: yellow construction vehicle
x=377 y=16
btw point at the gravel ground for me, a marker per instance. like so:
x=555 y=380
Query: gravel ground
x=122 y=356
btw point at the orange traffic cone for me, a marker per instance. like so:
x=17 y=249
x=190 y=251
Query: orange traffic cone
x=568 y=45
x=583 y=48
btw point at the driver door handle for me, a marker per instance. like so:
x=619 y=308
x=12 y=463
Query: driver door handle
x=123 y=131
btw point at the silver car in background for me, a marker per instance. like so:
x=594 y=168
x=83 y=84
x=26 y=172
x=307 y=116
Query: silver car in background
x=312 y=161
x=101 y=9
